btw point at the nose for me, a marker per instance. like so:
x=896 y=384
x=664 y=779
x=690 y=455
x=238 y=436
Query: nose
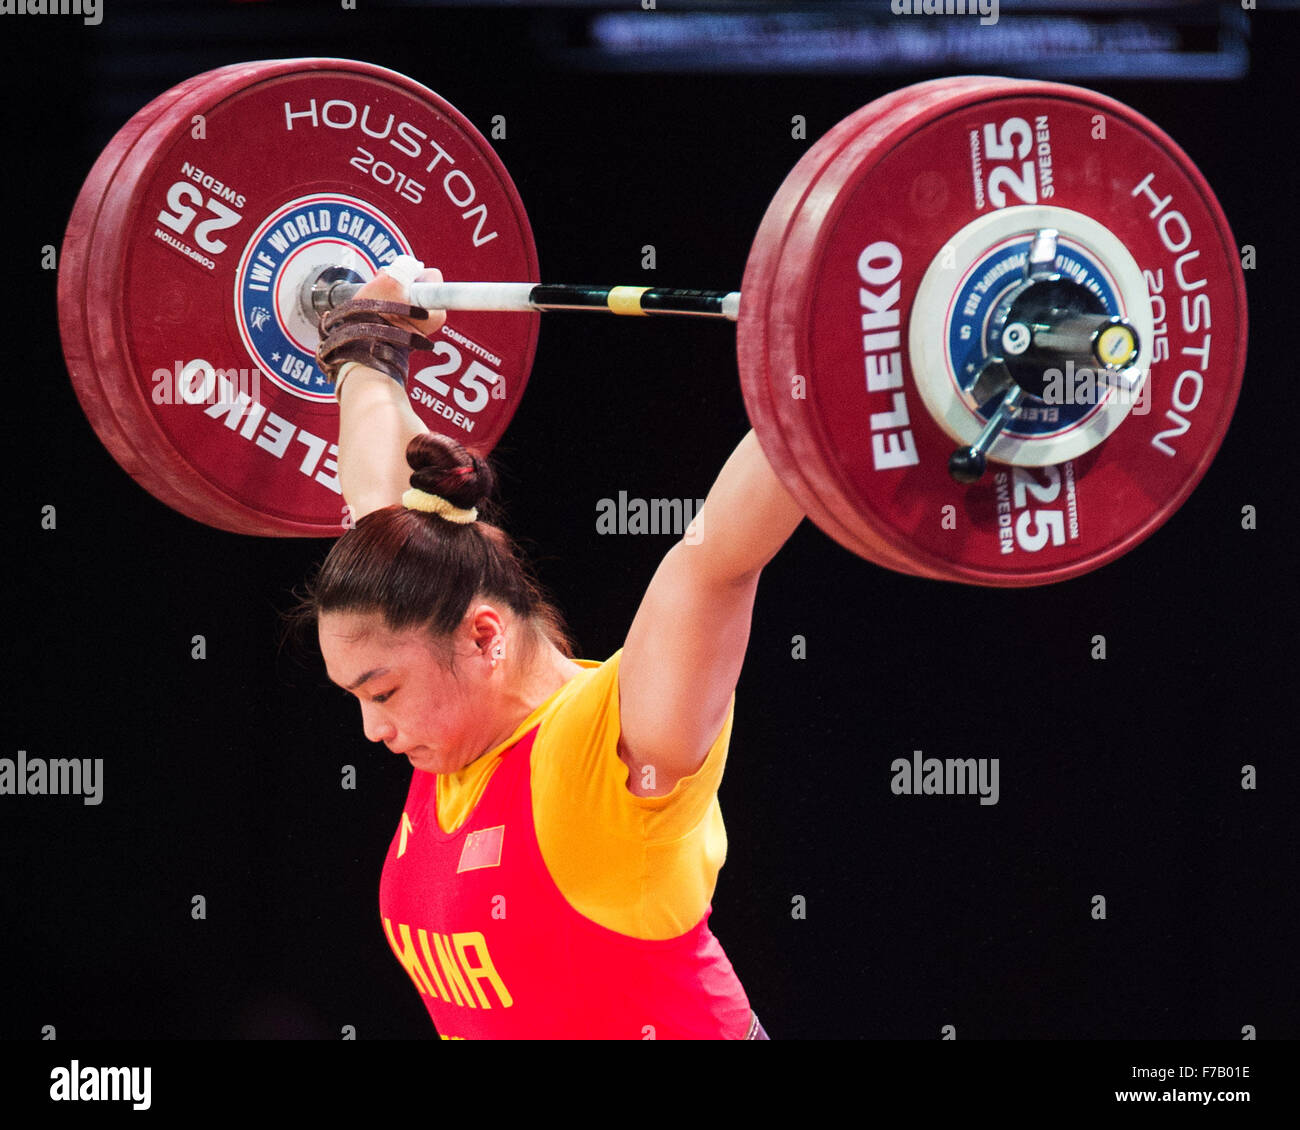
x=377 y=728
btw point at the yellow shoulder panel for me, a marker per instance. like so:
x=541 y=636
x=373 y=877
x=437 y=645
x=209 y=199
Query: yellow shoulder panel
x=643 y=866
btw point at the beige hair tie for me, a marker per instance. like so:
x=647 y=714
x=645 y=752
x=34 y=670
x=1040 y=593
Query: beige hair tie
x=431 y=504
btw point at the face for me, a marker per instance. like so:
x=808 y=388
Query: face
x=408 y=701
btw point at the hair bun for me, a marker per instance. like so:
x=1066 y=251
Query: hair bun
x=440 y=465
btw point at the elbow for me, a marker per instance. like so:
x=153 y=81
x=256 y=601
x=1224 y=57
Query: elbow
x=710 y=564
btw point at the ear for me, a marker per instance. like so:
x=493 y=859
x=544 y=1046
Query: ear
x=485 y=627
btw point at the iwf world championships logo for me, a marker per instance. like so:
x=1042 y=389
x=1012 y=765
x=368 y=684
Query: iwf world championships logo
x=294 y=244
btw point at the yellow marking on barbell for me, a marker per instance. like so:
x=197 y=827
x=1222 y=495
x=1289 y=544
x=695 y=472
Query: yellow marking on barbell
x=626 y=300
x=1116 y=345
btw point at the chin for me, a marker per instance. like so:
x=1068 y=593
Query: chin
x=430 y=762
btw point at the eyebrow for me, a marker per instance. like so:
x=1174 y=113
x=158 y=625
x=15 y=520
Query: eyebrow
x=368 y=675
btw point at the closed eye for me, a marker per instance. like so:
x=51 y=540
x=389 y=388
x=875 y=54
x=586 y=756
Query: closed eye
x=382 y=698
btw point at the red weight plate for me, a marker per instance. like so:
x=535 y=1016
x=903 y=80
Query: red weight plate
x=927 y=201
x=1016 y=526
x=74 y=262
x=805 y=478
x=301 y=164
x=827 y=508
x=166 y=478
x=157 y=470
x=77 y=256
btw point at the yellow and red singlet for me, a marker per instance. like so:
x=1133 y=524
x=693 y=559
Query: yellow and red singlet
x=532 y=896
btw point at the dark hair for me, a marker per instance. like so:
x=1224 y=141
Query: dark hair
x=419 y=570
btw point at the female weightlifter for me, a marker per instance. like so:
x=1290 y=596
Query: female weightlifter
x=553 y=867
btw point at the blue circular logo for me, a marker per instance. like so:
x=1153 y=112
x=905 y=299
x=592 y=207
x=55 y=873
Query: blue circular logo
x=292 y=246
x=984 y=286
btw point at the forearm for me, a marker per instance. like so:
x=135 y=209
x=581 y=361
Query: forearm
x=747 y=516
x=376 y=422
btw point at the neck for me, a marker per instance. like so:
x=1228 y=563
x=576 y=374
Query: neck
x=531 y=687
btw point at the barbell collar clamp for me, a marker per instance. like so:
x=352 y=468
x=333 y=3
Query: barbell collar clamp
x=967 y=464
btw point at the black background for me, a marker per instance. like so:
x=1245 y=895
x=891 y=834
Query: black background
x=1119 y=777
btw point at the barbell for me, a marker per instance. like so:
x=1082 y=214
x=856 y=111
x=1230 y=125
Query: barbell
x=989 y=331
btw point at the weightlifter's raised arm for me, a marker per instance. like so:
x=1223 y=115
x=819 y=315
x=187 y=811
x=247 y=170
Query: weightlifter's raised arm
x=747 y=516
x=684 y=651
x=376 y=420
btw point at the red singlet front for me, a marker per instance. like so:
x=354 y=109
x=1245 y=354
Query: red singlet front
x=497 y=952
